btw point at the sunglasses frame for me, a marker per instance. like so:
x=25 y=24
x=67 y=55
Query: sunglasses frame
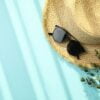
x=69 y=38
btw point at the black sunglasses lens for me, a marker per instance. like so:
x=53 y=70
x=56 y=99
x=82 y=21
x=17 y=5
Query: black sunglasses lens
x=75 y=48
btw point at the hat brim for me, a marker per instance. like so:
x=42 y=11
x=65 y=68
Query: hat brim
x=50 y=19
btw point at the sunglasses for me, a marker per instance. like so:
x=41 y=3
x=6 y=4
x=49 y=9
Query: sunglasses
x=74 y=47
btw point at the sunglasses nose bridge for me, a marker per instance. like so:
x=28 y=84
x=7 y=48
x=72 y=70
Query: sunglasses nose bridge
x=68 y=37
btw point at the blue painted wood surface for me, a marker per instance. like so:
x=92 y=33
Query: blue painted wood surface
x=29 y=68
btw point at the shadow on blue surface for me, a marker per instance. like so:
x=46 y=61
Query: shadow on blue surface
x=91 y=93
x=30 y=45
x=12 y=60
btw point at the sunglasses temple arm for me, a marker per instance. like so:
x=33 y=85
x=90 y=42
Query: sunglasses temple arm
x=78 y=57
x=71 y=35
x=50 y=34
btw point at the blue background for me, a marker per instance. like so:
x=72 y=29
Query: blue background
x=29 y=68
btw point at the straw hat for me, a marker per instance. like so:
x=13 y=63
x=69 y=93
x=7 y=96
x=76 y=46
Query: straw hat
x=82 y=19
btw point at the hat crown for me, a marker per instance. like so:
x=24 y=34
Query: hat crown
x=86 y=15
